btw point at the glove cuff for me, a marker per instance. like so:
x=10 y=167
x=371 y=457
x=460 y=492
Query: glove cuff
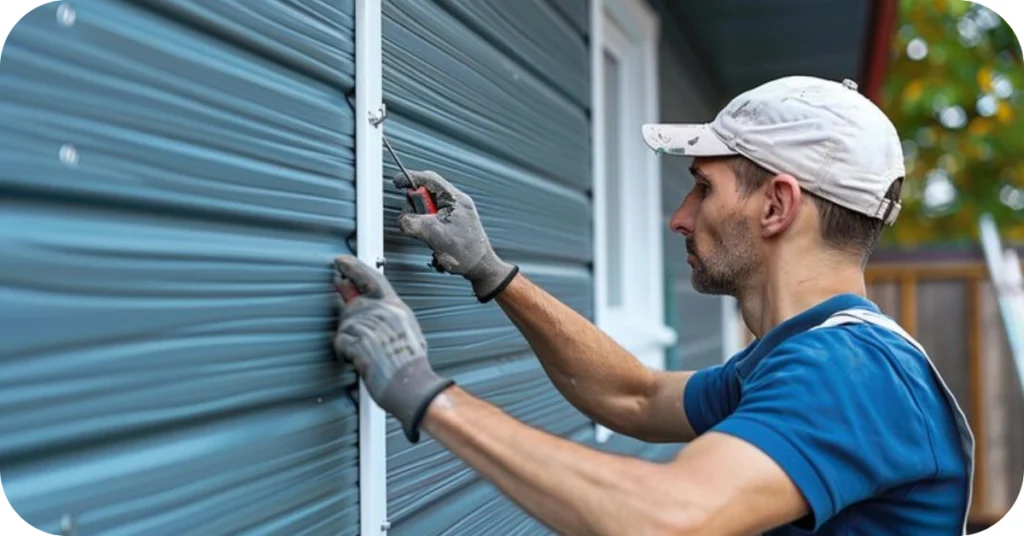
x=488 y=296
x=412 y=426
x=410 y=393
x=490 y=276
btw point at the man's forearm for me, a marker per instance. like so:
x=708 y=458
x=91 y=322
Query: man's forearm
x=570 y=488
x=594 y=372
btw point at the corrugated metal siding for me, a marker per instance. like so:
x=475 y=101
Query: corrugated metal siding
x=165 y=300
x=493 y=96
x=695 y=317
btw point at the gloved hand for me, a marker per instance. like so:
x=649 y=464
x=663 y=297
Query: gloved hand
x=455 y=234
x=379 y=333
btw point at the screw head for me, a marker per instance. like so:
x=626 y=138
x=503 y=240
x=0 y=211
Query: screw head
x=66 y=15
x=381 y=262
x=67 y=524
x=69 y=155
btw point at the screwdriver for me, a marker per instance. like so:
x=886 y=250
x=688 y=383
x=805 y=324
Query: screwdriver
x=421 y=200
x=419 y=197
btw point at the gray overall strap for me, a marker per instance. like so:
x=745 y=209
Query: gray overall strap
x=860 y=316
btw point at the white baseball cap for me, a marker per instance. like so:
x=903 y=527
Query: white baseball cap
x=837 y=143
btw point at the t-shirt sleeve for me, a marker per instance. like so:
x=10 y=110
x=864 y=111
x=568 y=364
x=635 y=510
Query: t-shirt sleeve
x=710 y=395
x=838 y=420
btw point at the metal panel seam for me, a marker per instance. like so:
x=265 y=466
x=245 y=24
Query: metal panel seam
x=370 y=240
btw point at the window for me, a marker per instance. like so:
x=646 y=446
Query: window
x=628 y=281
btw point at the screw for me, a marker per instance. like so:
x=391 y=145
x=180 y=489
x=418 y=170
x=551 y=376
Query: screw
x=66 y=15
x=69 y=155
x=67 y=525
x=385 y=525
x=381 y=262
x=319 y=400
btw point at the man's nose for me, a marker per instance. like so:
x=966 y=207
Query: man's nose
x=682 y=220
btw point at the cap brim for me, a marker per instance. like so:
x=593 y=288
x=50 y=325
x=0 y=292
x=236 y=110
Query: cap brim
x=685 y=140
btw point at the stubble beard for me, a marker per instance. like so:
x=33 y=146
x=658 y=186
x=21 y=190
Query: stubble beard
x=723 y=271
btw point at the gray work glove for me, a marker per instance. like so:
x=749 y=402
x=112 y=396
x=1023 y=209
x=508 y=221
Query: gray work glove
x=455 y=234
x=379 y=333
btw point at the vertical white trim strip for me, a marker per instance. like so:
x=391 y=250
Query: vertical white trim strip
x=597 y=126
x=370 y=243
x=597 y=156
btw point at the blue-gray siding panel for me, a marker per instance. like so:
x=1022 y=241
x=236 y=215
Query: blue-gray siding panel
x=166 y=298
x=479 y=93
x=577 y=12
x=441 y=73
x=312 y=37
x=530 y=32
x=288 y=469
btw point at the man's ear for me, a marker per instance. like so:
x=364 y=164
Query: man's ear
x=782 y=205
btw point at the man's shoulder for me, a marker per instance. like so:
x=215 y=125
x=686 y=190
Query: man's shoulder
x=861 y=356
x=855 y=344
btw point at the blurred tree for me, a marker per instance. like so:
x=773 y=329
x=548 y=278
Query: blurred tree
x=955 y=91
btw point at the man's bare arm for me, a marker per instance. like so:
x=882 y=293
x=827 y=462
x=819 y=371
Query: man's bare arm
x=717 y=485
x=595 y=373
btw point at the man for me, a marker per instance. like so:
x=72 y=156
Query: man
x=833 y=421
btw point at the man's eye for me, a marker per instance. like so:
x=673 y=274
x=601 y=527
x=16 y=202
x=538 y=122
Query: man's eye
x=702 y=189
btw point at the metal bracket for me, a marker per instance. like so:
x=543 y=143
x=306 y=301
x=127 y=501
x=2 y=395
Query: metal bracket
x=377 y=118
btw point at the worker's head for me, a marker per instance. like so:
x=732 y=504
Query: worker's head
x=794 y=168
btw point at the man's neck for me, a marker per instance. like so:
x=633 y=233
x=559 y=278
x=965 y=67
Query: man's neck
x=780 y=293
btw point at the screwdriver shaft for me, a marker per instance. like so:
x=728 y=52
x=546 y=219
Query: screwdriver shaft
x=397 y=160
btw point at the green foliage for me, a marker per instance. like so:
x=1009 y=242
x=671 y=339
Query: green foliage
x=953 y=141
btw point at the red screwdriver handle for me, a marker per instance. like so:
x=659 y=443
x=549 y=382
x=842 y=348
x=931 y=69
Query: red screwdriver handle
x=421 y=200
x=348 y=290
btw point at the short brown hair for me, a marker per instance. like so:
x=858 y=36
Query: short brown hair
x=842 y=229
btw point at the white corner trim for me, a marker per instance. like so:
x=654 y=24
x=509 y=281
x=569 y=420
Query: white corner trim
x=370 y=239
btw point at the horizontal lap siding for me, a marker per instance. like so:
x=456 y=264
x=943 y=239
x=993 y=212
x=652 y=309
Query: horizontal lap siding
x=166 y=299
x=494 y=96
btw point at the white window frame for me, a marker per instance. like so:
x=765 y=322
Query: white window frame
x=373 y=498
x=629 y=30
x=732 y=328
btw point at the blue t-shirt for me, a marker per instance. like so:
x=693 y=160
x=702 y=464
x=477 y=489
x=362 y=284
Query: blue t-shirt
x=853 y=415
